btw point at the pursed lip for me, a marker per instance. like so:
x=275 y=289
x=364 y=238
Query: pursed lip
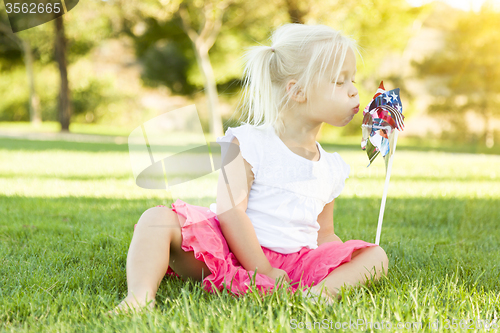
x=356 y=109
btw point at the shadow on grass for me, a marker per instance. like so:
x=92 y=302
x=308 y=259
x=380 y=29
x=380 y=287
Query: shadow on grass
x=411 y=145
x=40 y=145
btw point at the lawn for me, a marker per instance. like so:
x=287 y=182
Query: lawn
x=68 y=210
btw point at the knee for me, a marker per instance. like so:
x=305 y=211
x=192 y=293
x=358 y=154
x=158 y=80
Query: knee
x=381 y=257
x=158 y=216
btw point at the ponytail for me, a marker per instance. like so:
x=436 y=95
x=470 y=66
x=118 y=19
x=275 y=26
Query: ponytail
x=258 y=86
x=298 y=51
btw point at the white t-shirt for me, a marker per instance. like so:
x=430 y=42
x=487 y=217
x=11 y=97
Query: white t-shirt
x=289 y=191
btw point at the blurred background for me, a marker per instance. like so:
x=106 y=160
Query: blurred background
x=105 y=67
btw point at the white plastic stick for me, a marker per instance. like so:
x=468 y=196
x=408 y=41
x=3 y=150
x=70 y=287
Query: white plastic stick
x=386 y=186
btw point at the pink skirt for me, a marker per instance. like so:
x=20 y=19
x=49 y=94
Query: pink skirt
x=201 y=234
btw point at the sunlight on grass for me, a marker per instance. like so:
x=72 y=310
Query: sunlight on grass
x=107 y=174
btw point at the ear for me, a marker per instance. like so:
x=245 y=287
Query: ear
x=299 y=95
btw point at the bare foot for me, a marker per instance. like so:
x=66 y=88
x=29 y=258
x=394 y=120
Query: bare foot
x=131 y=304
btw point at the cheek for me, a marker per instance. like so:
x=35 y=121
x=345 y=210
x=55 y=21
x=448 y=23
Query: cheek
x=338 y=94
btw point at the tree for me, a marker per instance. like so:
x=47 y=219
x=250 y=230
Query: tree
x=25 y=46
x=201 y=21
x=203 y=40
x=89 y=25
x=64 y=105
x=469 y=70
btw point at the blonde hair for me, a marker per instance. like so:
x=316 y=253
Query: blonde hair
x=297 y=51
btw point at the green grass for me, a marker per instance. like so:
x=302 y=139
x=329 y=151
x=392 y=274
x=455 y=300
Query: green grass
x=68 y=210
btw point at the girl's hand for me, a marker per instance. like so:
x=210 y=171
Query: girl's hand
x=277 y=273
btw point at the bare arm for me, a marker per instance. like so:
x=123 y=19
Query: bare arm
x=236 y=226
x=325 y=219
x=242 y=240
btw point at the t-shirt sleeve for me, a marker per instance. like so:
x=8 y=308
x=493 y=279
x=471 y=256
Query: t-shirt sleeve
x=248 y=148
x=343 y=169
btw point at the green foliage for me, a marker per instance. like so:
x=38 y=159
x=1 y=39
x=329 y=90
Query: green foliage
x=86 y=27
x=14 y=104
x=168 y=56
x=91 y=95
x=467 y=72
x=10 y=53
x=94 y=99
x=166 y=53
x=100 y=99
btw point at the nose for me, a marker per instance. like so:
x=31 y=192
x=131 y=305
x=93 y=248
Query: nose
x=353 y=92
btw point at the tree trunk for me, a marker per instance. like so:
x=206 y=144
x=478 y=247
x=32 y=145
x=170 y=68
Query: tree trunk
x=24 y=45
x=202 y=42
x=214 y=118
x=35 y=115
x=64 y=107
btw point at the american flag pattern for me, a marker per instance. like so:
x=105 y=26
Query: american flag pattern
x=384 y=110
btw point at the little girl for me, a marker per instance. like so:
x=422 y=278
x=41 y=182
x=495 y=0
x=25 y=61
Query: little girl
x=273 y=219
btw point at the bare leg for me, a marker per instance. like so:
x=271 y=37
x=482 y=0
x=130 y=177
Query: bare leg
x=156 y=236
x=371 y=260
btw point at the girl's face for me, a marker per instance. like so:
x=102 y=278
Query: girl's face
x=339 y=108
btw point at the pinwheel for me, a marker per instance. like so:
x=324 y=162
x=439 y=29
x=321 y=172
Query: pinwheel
x=382 y=120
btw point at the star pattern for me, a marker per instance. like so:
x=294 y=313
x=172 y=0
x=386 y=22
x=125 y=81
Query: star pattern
x=385 y=109
x=392 y=99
